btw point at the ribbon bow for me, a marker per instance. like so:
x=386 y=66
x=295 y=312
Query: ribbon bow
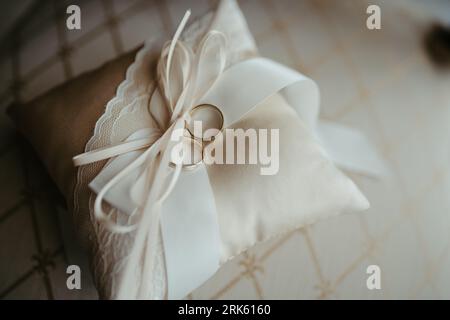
x=184 y=76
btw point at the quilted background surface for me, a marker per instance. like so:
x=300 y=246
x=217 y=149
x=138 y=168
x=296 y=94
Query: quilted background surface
x=380 y=82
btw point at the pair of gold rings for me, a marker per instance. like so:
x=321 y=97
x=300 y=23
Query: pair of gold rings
x=212 y=122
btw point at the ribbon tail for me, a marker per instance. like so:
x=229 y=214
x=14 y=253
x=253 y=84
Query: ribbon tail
x=350 y=149
x=145 y=243
x=153 y=211
x=130 y=286
x=191 y=236
x=115 y=150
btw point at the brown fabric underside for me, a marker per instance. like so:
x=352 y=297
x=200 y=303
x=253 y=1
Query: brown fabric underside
x=59 y=123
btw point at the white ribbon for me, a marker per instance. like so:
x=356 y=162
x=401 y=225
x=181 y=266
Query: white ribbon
x=140 y=182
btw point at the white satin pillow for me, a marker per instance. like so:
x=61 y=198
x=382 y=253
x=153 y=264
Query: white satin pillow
x=308 y=187
x=250 y=207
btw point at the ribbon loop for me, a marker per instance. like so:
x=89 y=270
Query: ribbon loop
x=209 y=64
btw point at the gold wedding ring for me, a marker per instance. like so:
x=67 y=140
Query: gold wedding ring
x=195 y=153
x=211 y=118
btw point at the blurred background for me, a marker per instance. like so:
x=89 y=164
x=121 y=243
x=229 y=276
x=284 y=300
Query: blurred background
x=383 y=82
